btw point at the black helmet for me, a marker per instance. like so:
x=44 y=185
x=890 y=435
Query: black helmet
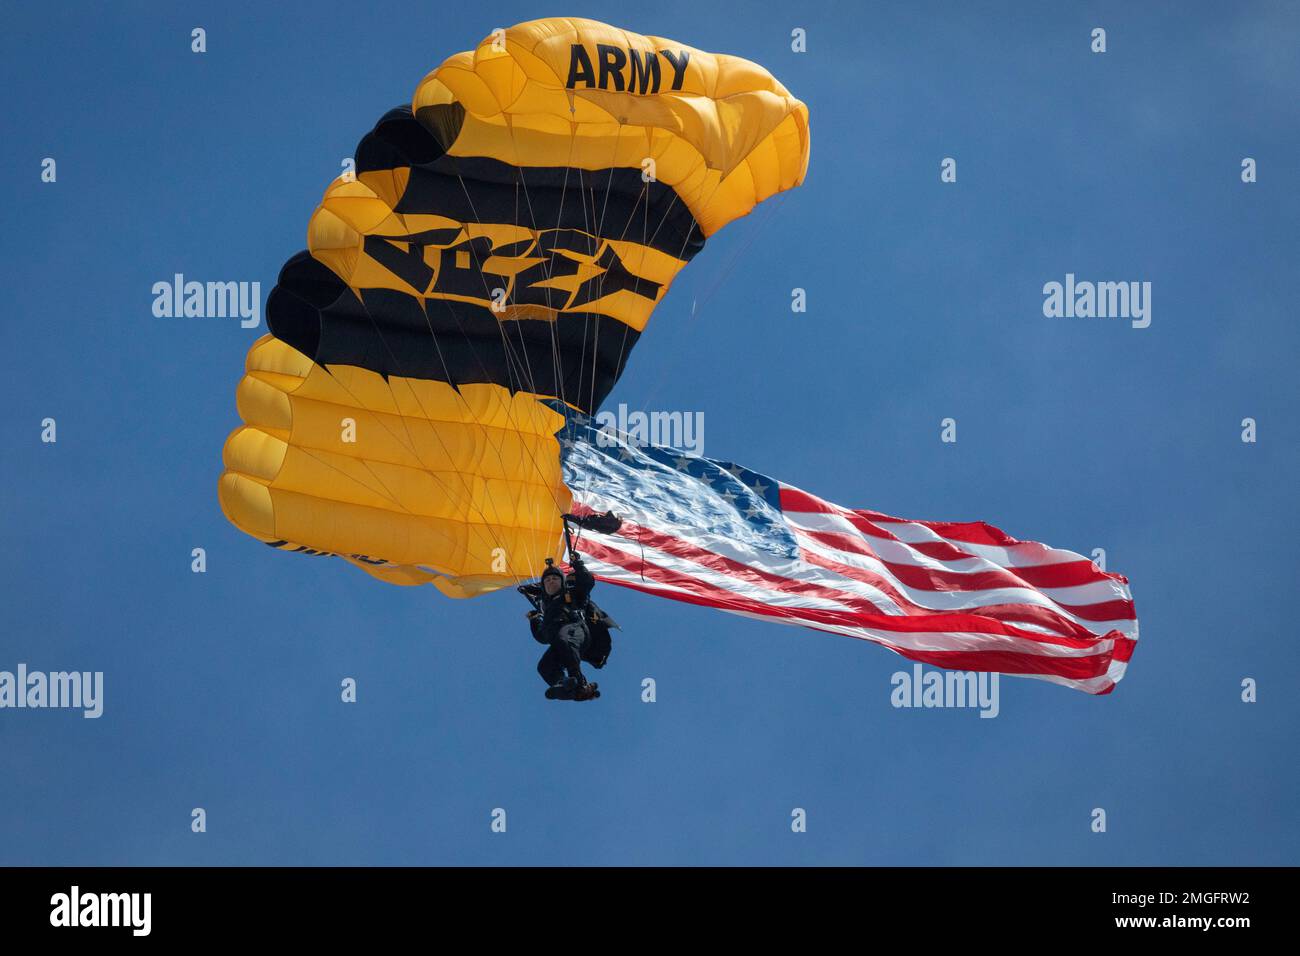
x=552 y=569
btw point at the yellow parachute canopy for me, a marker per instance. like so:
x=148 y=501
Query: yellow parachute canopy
x=504 y=239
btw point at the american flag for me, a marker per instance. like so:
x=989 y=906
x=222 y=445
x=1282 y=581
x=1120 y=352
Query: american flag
x=958 y=595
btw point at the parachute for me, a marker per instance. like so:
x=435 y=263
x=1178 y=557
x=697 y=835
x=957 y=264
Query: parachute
x=500 y=248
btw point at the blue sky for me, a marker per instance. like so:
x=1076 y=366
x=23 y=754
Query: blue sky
x=924 y=303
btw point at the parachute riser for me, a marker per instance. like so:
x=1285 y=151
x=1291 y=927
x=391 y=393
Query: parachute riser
x=607 y=523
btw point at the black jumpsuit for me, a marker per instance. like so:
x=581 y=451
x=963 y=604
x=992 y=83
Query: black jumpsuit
x=562 y=626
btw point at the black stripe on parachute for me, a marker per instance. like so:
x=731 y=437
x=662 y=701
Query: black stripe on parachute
x=481 y=189
x=396 y=334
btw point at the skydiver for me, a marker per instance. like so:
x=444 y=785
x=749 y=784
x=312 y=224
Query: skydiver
x=566 y=619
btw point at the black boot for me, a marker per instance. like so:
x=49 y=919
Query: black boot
x=563 y=690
